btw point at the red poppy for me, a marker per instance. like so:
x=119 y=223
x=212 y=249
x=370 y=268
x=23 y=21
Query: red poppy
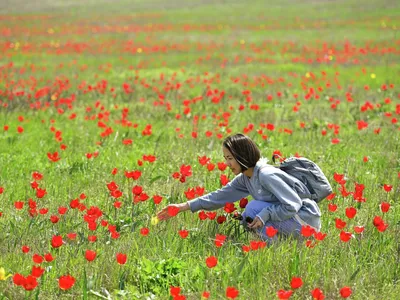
x=37 y=176
x=379 y=224
x=62 y=210
x=157 y=199
x=174 y=290
x=271 y=231
x=385 y=206
x=211 y=261
x=219 y=240
x=231 y=292
x=172 y=211
x=358 y=229
x=345 y=292
x=282 y=294
x=54 y=219
x=90 y=255
x=351 y=212
x=48 y=257
x=66 y=282
x=319 y=236
x=229 y=207
x=245 y=248
x=345 y=236
x=37 y=259
x=144 y=231
x=339 y=223
x=224 y=179
x=18 y=204
x=205 y=295
x=184 y=233
x=387 y=187
x=18 y=279
x=37 y=271
x=243 y=202
x=25 y=249
x=317 y=294
x=121 y=258
x=71 y=236
x=332 y=207
x=296 y=282
x=307 y=231
x=56 y=241
x=29 y=283
x=211 y=215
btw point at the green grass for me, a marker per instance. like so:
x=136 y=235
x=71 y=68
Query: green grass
x=368 y=263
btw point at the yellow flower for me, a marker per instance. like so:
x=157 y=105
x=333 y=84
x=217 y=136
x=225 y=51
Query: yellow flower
x=154 y=220
x=3 y=274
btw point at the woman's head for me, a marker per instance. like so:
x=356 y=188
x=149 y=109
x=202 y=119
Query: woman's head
x=243 y=150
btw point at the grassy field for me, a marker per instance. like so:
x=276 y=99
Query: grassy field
x=127 y=92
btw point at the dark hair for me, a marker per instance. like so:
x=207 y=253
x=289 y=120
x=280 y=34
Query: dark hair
x=243 y=149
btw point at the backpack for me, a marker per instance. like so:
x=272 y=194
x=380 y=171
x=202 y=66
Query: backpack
x=310 y=174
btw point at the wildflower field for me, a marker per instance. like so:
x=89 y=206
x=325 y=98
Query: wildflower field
x=111 y=110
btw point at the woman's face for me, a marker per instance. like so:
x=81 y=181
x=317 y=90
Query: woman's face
x=231 y=162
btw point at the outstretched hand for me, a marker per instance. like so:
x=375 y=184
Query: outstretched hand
x=257 y=223
x=171 y=211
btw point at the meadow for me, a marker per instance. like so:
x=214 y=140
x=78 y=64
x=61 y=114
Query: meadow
x=111 y=110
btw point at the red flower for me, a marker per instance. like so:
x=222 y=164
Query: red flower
x=66 y=282
x=90 y=255
x=48 y=257
x=332 y=207
x=345 y=292
x=112 y=186
x=37 y=176
x=282 y=294
x=345 y=236
x=211 y=261
x=53 y=156
x=219 y=239
x=183 y=233
x=37 y=271
x=340 y=224
x=243 y=202
x=205 y=295
x=387 y=187
x=245 y=248
x=204 y=160
x=186 y=170
x=56 y=241
x=229 y=207
x=379 y=224
x=231 y=292
x=137 y=190
x=296 y=282
x=25 y=249
x=157 y=199
x=222 y=166
x=121 y=258
x=144 y=231
x=71 y=236
x=271 y=231
x=307 y=231
x=18 y=279
x=30 y=283
x=18 y=204
x=224 y=179
x=319 y=236
x=317 y=294
x=174 y=290
x=339 y=178
x=358 y=229
x=385 y=207
x=37 y=259
x=221 y=219
x=172 y=211
x=351 y=212
x=210 y=166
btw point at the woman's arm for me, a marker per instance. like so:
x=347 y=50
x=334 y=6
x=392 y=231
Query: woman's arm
x=290 y=202
x=233 y=191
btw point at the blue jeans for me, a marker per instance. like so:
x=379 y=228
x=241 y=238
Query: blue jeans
x=289 y=227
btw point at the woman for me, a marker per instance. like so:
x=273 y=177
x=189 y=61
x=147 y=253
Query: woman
x=276 y=202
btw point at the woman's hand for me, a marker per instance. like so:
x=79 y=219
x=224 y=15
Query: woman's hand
x=172 y=210
x=257 y=223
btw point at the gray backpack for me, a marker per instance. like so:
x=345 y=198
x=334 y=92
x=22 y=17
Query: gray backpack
x=310 y=174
